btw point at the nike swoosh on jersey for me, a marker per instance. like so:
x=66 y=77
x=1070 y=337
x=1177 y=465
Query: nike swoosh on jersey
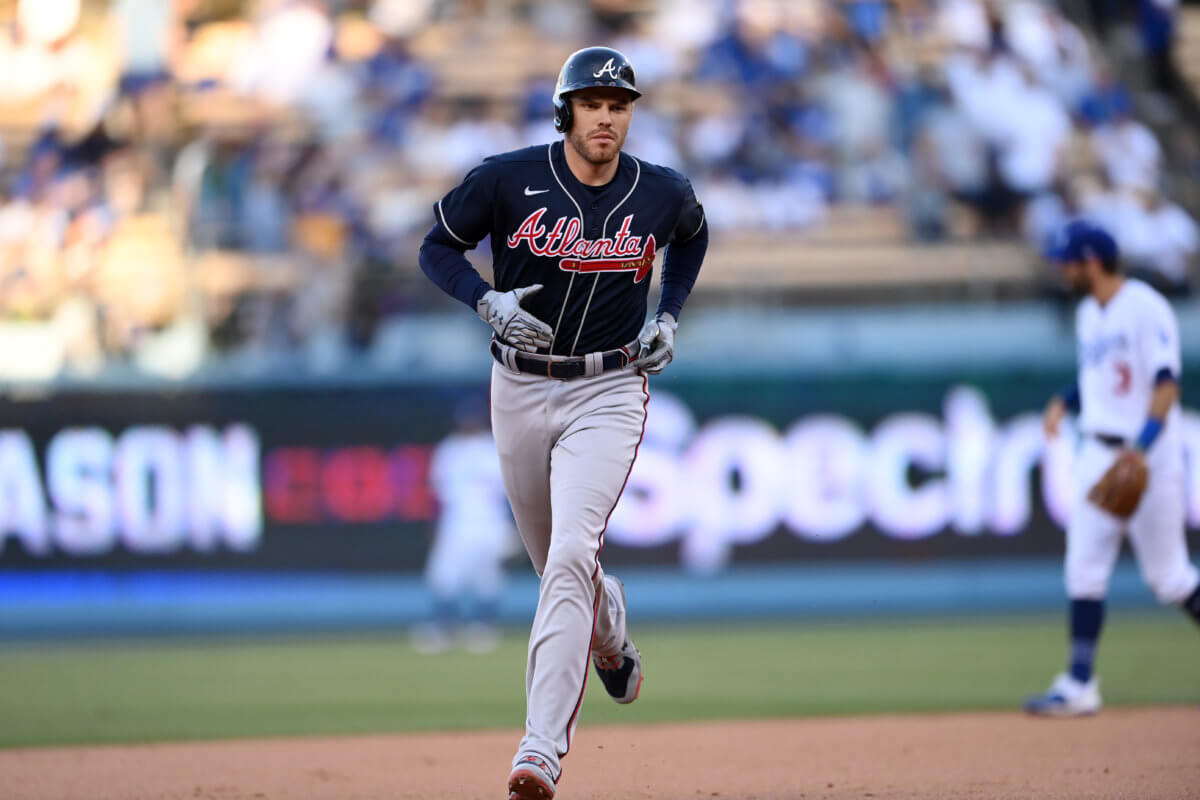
x=531 y=192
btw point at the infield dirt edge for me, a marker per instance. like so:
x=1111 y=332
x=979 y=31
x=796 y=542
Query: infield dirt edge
x=1145 y=753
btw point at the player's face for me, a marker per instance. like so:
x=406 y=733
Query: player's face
x=601 y=122
x=1075 y=273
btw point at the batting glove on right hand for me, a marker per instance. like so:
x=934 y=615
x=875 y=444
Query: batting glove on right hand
x=657 y=341
x=513 y=324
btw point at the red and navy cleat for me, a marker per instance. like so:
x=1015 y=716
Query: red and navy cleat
x=531 y=779
x=620 y=673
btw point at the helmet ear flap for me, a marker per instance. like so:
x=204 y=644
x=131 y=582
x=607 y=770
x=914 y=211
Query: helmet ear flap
x=562 y=114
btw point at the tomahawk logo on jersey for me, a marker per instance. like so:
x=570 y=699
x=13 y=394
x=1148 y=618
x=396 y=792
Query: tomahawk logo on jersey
x=591 y=247
x=621 y=253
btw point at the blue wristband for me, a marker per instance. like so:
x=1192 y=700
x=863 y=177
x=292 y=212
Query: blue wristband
x=1150 y=432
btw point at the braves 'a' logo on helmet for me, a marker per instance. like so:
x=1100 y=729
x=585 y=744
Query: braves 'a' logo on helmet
x=608 y=69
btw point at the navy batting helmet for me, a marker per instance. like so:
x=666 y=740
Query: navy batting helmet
x=587 y=68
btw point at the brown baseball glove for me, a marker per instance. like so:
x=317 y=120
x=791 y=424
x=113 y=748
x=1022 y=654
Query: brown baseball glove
x=1120 y=489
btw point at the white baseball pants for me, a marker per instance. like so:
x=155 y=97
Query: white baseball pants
x=566 y=449
x=1156 y=530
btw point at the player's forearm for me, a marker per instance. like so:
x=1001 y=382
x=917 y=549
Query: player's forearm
x=681 y=266
x=1166 y=392
x=447 y=267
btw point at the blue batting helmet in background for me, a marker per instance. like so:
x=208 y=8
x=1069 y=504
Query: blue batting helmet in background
x=1082 y=239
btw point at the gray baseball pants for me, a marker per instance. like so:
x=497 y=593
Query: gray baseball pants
x=566 y=449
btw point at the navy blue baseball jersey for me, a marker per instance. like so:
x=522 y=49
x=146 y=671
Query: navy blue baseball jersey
x=591 y=247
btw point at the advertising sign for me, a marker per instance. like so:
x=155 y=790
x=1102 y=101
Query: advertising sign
x=338 y=479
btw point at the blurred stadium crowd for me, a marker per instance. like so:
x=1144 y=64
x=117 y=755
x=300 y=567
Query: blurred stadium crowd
x=189 y=178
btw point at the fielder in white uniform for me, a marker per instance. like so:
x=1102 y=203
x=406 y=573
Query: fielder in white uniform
x=474 y=534
x=1127 y=397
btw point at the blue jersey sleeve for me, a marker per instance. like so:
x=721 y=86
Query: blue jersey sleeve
x=465 y=213
x=691 y=217
x=685 y=254
x=463 y=217
x=441 y=258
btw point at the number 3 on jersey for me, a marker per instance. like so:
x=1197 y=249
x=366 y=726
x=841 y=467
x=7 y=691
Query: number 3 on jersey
x=1124 y=377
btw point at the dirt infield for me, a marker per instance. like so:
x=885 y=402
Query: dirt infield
x=1135 y=753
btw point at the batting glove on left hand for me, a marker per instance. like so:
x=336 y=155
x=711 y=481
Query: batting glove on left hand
x=657 y=341
x=513 y=324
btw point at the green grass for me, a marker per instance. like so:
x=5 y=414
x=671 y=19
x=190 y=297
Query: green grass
x=184 y=689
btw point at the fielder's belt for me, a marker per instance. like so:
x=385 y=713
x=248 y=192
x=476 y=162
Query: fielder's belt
x=1108 y=439
x=563 y=368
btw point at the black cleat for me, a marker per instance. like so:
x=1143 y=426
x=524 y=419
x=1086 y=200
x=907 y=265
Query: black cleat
x=621 y=674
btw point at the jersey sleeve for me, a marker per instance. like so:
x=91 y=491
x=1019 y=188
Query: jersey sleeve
x=465 y=212
x=681 y=265
x=1158 y=338
x=691 y=216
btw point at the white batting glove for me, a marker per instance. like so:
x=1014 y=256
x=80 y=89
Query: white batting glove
x=513 y=324
x=657 y=341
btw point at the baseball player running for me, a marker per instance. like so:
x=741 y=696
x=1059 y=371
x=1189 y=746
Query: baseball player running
x=1129 y=467
x=575 y=226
